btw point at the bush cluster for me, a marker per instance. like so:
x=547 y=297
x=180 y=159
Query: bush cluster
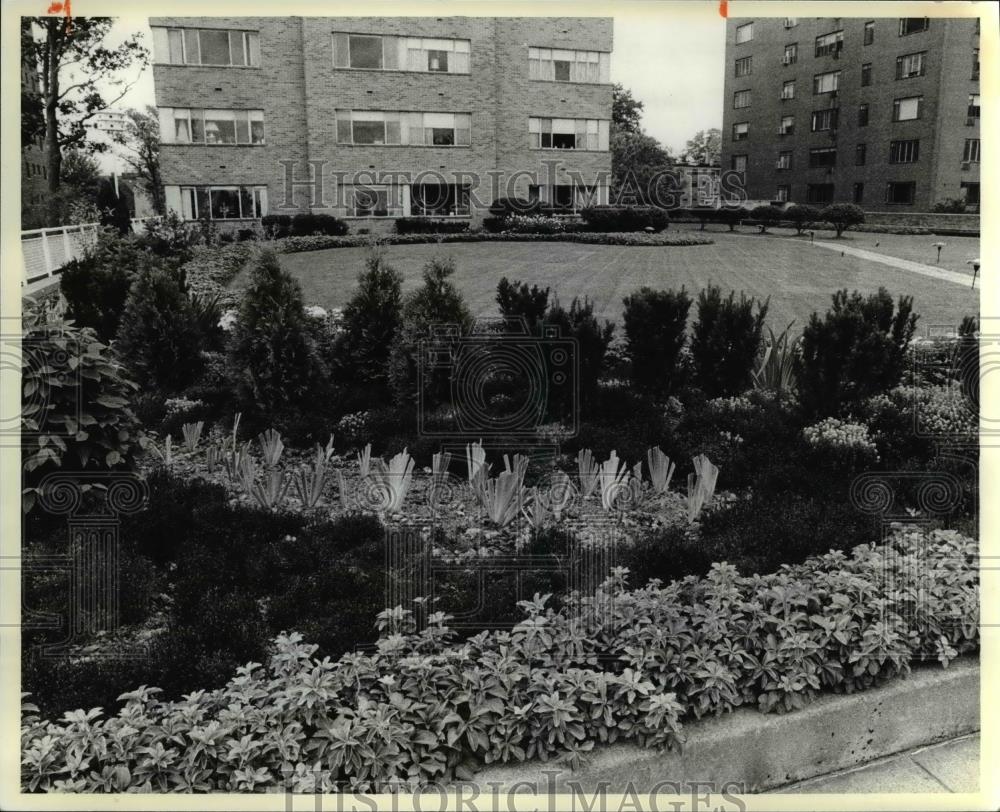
x=625 y=218
x=427 y=225
x=303 y=224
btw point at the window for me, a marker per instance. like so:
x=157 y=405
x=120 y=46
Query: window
x=414 y=54
x=860 y=153
x=913 y=25
x=218 y=202
x=971 y=191
x=787 y=125
x=822 y=156
x=741 y=131
x=182 y=125
x=738 y=163
x=569 y=133
x=383 y=200
x=784 y=160
x=788 y=89
x=900 y=193
x=866 y=74
x=975 y=64
x=416 y=129
x=862 y=115
x=830 y=44
x=439 y=200
x=791 y=54
x=554 y=65
x=819 y=193
x=823 y=120
x=826 y=82
x=906 y=109
x=206 y=46
x=869 y=37
x=791 y=22
x=781 y=193
x=744 y=66
x=741 y=98
x=859 y=192
x=744 y=33
x=910 y=65
x=971 y=153
x=904 y=152
x=973 y=112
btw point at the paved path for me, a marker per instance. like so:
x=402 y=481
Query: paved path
x=951 y=766
x=902 y=264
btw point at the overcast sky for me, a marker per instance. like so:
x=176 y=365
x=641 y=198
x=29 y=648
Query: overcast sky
x=678 y=78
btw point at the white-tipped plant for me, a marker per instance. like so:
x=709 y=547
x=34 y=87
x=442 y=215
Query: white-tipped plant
x=393 y=481
x=345 y=499
x=475 y=461
x=269 y=492
x=310 y=480
x=501 y=497
x=213 y=456
x=192 y=434
x=612 y=475
x=661 y=469
x=325 y=451
x=439 y=468
x=271 y=447
x=560 y=495
x=365 y=461
x=701 y=486
x=535 y=510
x=238 y=461
x=166 y=454
x=588 y=471
x=775 y=372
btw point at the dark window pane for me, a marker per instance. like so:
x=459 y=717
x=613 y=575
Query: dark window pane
x=366 y=52
x=225 y=204
x=246 y=202
x=204 y=209
x=443 y=137
x=176 y=47
x=191 y=46
x=256 y=132
x=369 y=132
x=214 y=47
x=562 y=70
x=242 y=128
x=437 y=61
x=197 y=126
x=236 y=48
x=564 y=140
x=219 y=130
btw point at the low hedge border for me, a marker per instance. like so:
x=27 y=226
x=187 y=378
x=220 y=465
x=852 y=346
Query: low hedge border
x=619 y=665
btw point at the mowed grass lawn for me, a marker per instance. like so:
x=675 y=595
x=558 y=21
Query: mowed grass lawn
x=798 y=277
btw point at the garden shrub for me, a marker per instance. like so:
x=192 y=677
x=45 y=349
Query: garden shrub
x=764 y=216
x=538 y=224
x=725 y=341
x=655 y=322
x=801 y=216
x=591 y=340
x=427 y=225
x=950 y=205
x=625 y=218
x=504 y=207
x=380 y=721
x=75 y=411
x=307 y=223
x=842 y=216
x=731 y=216
x=170 y=236
x=857 y=350
x=162 y=332
x=277 y=225
x=517 y=301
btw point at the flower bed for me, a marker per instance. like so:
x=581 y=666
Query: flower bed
x=619 y=665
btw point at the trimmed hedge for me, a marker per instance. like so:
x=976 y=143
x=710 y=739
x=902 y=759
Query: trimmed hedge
x=426 y=225
x=304 y=224
x=625 y=218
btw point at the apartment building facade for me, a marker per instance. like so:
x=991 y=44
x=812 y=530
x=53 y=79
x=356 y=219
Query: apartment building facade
x=372 y=119
x=881 y=112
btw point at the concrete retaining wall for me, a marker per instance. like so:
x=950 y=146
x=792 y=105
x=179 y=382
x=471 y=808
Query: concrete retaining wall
x=758 y=751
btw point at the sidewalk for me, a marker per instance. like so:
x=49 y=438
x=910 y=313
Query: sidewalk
x=951 y=766
x=896 y=262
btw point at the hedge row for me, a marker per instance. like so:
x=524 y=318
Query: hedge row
x=619 y=665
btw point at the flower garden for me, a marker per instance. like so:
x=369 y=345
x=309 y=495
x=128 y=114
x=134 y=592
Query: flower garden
x=711 y=511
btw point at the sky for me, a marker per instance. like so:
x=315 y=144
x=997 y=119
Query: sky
x=678 y=79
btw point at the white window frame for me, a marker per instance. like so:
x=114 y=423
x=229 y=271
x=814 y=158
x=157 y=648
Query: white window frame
x=595 y=131
x=183 y=199
x=907 y=151
x=585 y=67
x=169 y=116
x=822 y=82
x=788 y=89
x=414 y=128
x=917 y=104
x=786 y=126
x=741 y=131
x=784 y=160
x=911 y=66
x=971 y=151
x=742 y=94
x=831 y=43
x=249 y=46
x=407 y=54
x=742 y=37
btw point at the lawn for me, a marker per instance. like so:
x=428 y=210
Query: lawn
x=798 y=277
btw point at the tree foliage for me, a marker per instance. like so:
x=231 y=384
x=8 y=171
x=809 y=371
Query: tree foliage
x=141 y=143
x=704 y=147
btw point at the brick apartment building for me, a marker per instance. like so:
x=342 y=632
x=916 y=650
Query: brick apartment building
x=34 y=160
x=879 y=112
x=405 y=116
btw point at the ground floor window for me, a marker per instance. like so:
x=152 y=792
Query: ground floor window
x=971 y=193
x=781 y=193
x=901 y=193
x=819 y=193
x=373 y=201
x=218 y=202
x=439 y=200
x=859 y=192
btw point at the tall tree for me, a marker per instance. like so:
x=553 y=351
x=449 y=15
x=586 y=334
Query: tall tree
x=638 y=162
x=626 y=110
x=705 y=147
x=75 y=66
x=141 y=151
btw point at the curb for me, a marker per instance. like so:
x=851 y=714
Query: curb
x=755 y=751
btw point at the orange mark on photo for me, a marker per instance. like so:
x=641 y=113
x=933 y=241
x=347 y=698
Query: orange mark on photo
x=60 y=8
x=724 y=8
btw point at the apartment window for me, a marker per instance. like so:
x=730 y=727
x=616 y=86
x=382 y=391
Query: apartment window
x=414 y=54
x=182 y=125
x=822 y=156
x=375 y=127
x=823 y=120
x=741 y=99
x=862 y=115
x=791 y=54
x=829 y=44
x=973 y=111
x=819 y=193
x=971 y=153
x=788 y=89
x=975 y=64
x=744 y=66
x=860 y=154
x=791 y=22
x=218 y=47
x=379 y=200
x=784 y=161
x=869 y=37
x=781 y=193
x=741 y=131
x=220 y=202
x=866 y=74
x=900 y=193
x=913 y=25
x=569 y=133
x=738 y=163
x=910 y=65
x=554 y=65
x=859 y=192
x=744 y=33
x=439 y=200
x=904 y=152
x=787 y=125
x=826 y=82
x=907 y=109
x=971 y=192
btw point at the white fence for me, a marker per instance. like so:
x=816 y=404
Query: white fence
x=47 y=250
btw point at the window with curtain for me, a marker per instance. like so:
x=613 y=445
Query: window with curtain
x=182 y=125
x=555 y=65
x=219 y=202
x=377 y=127
x=416 y=54
x=206 y=46
x=569 y=133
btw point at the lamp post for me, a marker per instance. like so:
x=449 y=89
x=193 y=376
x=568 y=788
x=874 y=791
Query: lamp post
x=939 y=246
x=975 y=269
